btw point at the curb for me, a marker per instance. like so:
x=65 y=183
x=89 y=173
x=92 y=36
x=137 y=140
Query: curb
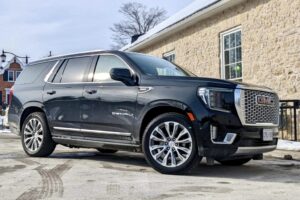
x=284 y=154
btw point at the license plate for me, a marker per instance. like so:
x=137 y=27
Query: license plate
x=268 y=134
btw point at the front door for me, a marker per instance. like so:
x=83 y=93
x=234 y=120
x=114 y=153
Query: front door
x=62 y=96
x=108 y=106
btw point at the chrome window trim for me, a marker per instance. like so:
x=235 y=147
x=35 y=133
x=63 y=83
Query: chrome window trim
x=46 y=79
x=93 y=131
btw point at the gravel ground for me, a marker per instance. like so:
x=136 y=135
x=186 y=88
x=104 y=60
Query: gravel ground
x=87 y=174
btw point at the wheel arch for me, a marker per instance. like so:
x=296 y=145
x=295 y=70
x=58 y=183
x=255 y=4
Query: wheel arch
x=160 y=107
x=28 y=109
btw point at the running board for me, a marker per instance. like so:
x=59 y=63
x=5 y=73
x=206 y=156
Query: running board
x=89 y=143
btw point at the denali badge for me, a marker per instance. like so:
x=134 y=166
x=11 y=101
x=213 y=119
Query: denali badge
x=264 y=100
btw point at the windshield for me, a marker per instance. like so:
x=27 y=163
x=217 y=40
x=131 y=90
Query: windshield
x=154 y=66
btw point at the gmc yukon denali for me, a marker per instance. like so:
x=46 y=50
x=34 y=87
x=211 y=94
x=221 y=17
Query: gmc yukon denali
x=112 y=100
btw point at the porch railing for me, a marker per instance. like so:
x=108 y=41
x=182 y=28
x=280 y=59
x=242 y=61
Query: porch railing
x=289 y=128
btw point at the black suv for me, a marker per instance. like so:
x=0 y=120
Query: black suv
x=112 y=100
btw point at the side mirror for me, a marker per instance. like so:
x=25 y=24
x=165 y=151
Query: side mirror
x=122 y=74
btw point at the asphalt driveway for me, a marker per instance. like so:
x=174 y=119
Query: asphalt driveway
x=87 y=174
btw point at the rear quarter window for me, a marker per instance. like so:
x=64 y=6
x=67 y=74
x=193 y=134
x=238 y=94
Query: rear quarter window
x=75 y=70
x=33 y=72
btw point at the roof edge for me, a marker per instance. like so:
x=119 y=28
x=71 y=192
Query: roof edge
x=204 y=13
x=67 y=55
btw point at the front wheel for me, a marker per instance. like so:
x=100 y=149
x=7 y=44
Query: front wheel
x=234 y=162
x=36 y=137
x=169 y=144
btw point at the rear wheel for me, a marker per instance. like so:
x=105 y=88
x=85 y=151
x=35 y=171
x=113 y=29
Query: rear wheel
x=169 y=144
x=107 y=150
x=234 y=162
x=36 y=137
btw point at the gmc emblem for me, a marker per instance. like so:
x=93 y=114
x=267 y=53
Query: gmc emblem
x=264 y=100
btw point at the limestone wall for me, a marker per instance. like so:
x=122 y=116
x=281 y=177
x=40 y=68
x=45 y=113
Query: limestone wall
x=270 y=44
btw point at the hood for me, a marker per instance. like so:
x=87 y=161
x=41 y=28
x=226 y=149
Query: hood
x=199 y=81
x=186 y=81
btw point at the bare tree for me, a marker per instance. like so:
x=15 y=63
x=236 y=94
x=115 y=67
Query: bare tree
x=138 y=19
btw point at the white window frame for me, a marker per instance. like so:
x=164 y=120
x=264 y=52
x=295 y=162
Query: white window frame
x=13 y=76
x=222 y=50
x=168 y=54
x=17 y=72
x=7 y=93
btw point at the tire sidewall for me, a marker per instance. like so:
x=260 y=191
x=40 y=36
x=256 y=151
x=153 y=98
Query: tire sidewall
x=46 y=134
x=152 y=125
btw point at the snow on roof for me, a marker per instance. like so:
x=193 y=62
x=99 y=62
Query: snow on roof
x=186 y=12
x=7 y=65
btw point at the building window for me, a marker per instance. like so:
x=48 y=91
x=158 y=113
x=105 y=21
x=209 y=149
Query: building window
x=170 y=56
x=17 y=74
x=231 y=54
x=11 y=77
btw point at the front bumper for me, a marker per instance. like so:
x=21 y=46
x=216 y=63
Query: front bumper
x=248 y=141
x=242 y=151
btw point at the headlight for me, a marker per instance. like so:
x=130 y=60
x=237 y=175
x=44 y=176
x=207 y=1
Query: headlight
x=220 y=99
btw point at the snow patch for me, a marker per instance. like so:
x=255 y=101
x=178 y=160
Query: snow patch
x=288 y=145
x=5 y=131
x=1 y=119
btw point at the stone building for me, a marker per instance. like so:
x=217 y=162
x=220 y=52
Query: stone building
x=253 y=41
x=8 y=75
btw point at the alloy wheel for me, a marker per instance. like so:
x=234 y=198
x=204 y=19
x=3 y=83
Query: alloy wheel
x=170 y=144
x=33 y=135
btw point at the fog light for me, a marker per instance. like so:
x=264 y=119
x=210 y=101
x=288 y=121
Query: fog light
x=228 y=139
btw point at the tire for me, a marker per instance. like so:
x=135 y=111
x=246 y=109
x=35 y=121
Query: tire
x=235 y=162
x=170 y=147
x=107 y=150
x=41 y=141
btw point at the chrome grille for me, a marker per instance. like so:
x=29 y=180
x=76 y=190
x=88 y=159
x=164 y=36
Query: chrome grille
x=253 y=113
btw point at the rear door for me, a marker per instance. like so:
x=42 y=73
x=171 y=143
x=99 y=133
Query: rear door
x=108 y=106
x=62 y=95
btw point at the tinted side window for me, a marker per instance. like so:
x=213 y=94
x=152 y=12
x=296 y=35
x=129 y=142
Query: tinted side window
x=32 y=72
x=104 y=65
x=75 y=69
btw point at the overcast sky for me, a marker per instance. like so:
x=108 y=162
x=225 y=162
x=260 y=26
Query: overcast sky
x=35 y=27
